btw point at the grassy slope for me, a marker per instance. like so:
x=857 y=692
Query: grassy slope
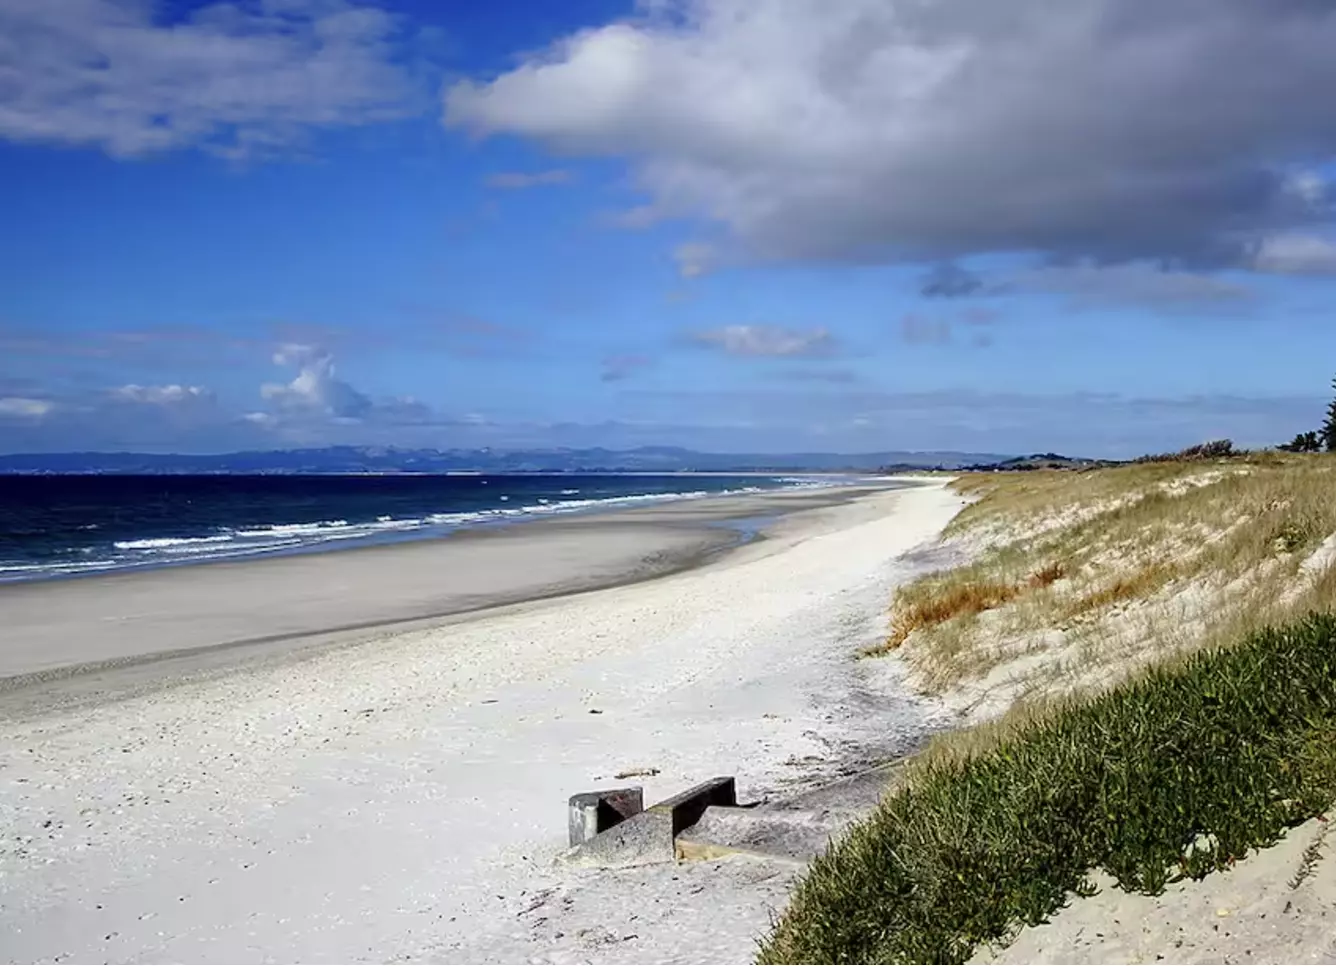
x=1078 y=581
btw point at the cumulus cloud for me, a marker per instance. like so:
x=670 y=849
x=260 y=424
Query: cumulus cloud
x=785 y=417
x=1180 y=132
x=767 y=340
x=23 y=407
x=315 y=389
x=172 y=395
x=316 y=400
x=170 y=417
x=519 y=180
x=313 y=408
x=238 y=79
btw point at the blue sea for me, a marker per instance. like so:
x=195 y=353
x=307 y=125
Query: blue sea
x=67 y=525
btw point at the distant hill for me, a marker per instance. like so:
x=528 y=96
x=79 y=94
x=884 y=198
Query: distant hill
x=376 y=459
x=1040 y=461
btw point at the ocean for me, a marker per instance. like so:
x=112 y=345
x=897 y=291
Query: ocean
x=53 y=526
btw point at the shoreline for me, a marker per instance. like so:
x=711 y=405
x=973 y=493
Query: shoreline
x=375 y=537
x=402 y=798
x=138 y=614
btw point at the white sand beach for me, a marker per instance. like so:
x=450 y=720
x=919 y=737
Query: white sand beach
x=1275 y=906
x=401 y=795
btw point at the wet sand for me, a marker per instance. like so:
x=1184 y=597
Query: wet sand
x=205 y=615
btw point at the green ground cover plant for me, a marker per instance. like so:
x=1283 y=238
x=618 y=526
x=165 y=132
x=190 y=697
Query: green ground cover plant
x=1176 y=773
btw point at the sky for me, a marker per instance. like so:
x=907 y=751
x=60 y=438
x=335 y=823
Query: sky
x=1101 y=227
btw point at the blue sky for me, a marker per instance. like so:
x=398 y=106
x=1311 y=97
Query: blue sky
x=772 y=225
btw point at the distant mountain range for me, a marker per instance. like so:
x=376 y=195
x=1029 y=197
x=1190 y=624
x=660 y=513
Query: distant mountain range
x=375 y=459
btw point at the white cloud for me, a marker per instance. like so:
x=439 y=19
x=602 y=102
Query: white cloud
x=297 y=354
x=315 y=389
x=238 y=79
x=160 y=395
x=22 y=407
x=935 y=129
x=1296 y=254
x=767 y=340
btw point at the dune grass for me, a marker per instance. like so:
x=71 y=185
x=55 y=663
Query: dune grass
x=1100 y=622
x=1178 y=773
x=1129 y=586
x=934 y=605
x=1108 y=570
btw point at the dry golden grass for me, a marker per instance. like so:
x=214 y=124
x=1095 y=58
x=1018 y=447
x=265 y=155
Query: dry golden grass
x=1130 y=586
x=964 y=599
x=1078 y=578
x=1047 y=576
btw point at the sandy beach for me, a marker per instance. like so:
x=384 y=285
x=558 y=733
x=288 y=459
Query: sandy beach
x=341 y=757
x=288 y=598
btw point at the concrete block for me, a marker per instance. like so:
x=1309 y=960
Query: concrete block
x=593 y=812
x=685 y=808
x=650 y=836
x=643 y=839
x=771 y=832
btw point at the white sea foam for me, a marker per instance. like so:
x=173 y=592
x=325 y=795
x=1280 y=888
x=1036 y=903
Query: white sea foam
x=161 y=543
x=293 y=529
x=255 y=540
